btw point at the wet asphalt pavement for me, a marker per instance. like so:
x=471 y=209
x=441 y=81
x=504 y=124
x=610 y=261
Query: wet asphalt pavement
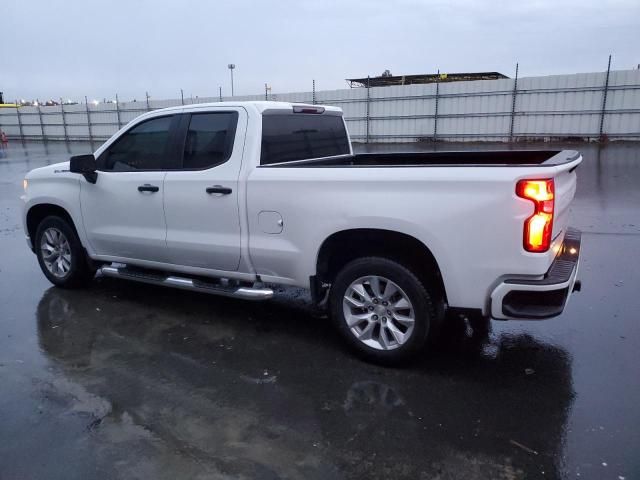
x=123 y=380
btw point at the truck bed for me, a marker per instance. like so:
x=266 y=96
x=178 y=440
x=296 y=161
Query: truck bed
x=500 y=158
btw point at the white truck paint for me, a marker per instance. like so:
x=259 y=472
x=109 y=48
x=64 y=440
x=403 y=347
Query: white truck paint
x=272 y=225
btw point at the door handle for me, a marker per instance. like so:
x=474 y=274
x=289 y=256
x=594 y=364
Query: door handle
x=147 y=187
x=219 y=189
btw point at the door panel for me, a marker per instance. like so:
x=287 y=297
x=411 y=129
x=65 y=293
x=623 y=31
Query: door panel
x=121 y=221
x=201 y=204
x=123 y=212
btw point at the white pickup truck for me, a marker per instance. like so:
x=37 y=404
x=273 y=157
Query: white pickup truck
x=230 y=198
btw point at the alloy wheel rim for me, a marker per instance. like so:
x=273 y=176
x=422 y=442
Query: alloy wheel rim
x=378 y=312
x=56 y=252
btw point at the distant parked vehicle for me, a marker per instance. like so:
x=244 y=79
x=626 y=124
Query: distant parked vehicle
x=228 y=198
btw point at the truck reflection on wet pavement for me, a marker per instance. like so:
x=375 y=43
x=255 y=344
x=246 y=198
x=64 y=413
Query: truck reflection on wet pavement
x=264 y=390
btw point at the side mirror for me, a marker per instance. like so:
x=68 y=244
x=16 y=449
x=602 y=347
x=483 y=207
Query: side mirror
x=85 y=165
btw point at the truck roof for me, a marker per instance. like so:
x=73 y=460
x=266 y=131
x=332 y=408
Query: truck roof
x=260 y=105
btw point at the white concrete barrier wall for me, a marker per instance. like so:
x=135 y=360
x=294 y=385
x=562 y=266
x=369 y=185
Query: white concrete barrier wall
x=559 y=106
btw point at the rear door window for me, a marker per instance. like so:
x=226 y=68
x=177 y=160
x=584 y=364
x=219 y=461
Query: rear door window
x=299 y=136
x=209 y=140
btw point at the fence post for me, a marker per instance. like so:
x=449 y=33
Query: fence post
x=435 y=116
x=86 y=103
x=64 y=121
x=19 y=122
x=118 y=112
x=368 y=101
x=148 y=107
x=41 y=122
x=604 y=101
x=313 y=92
x=182 y=96
x=513 y=105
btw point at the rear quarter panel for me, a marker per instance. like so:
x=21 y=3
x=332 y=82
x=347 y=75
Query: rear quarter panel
x=469 y=217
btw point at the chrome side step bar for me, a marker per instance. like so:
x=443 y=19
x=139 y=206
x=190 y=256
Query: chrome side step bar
x=246 y=293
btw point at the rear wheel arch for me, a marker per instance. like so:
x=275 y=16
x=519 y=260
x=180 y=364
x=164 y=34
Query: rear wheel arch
x=342 y=247
x=383 y=310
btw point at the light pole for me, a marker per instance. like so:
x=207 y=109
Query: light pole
x=231 y=66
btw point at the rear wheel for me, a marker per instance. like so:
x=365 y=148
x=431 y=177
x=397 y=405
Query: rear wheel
x=61 y=255
x=382 y=309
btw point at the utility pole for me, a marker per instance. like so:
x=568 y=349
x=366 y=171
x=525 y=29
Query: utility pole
x=368 y=102
x=64 y=121
x=19 y=121
x=231 y=67
x=513 y=105
x=604 y=101
x=86 y=104
x=118 y=112
x=435 y=113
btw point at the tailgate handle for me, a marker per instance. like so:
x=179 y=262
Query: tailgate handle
x=219 y=189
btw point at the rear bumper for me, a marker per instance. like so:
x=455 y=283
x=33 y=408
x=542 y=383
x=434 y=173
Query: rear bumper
x=546 y=297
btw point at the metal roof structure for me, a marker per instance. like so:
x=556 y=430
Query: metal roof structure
x=389 y=80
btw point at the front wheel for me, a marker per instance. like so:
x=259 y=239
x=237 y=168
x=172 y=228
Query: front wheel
x=382 y=309
x=61 y=255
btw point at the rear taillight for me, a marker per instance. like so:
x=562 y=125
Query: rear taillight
x=538 y=227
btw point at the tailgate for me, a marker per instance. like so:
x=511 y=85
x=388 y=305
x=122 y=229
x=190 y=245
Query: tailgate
x=565 y=189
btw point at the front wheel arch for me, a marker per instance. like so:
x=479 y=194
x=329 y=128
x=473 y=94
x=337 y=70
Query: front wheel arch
x=63 y=259
x=37 y=213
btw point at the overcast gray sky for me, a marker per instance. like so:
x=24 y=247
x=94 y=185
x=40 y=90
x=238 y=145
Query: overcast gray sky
x=72 y=48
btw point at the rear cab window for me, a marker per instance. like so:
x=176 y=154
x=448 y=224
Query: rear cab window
x=289 y=137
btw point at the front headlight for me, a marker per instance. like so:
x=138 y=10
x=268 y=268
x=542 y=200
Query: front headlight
x=25 y=184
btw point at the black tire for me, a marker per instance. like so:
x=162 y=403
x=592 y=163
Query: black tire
x=423 y=299
x=80 y=271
